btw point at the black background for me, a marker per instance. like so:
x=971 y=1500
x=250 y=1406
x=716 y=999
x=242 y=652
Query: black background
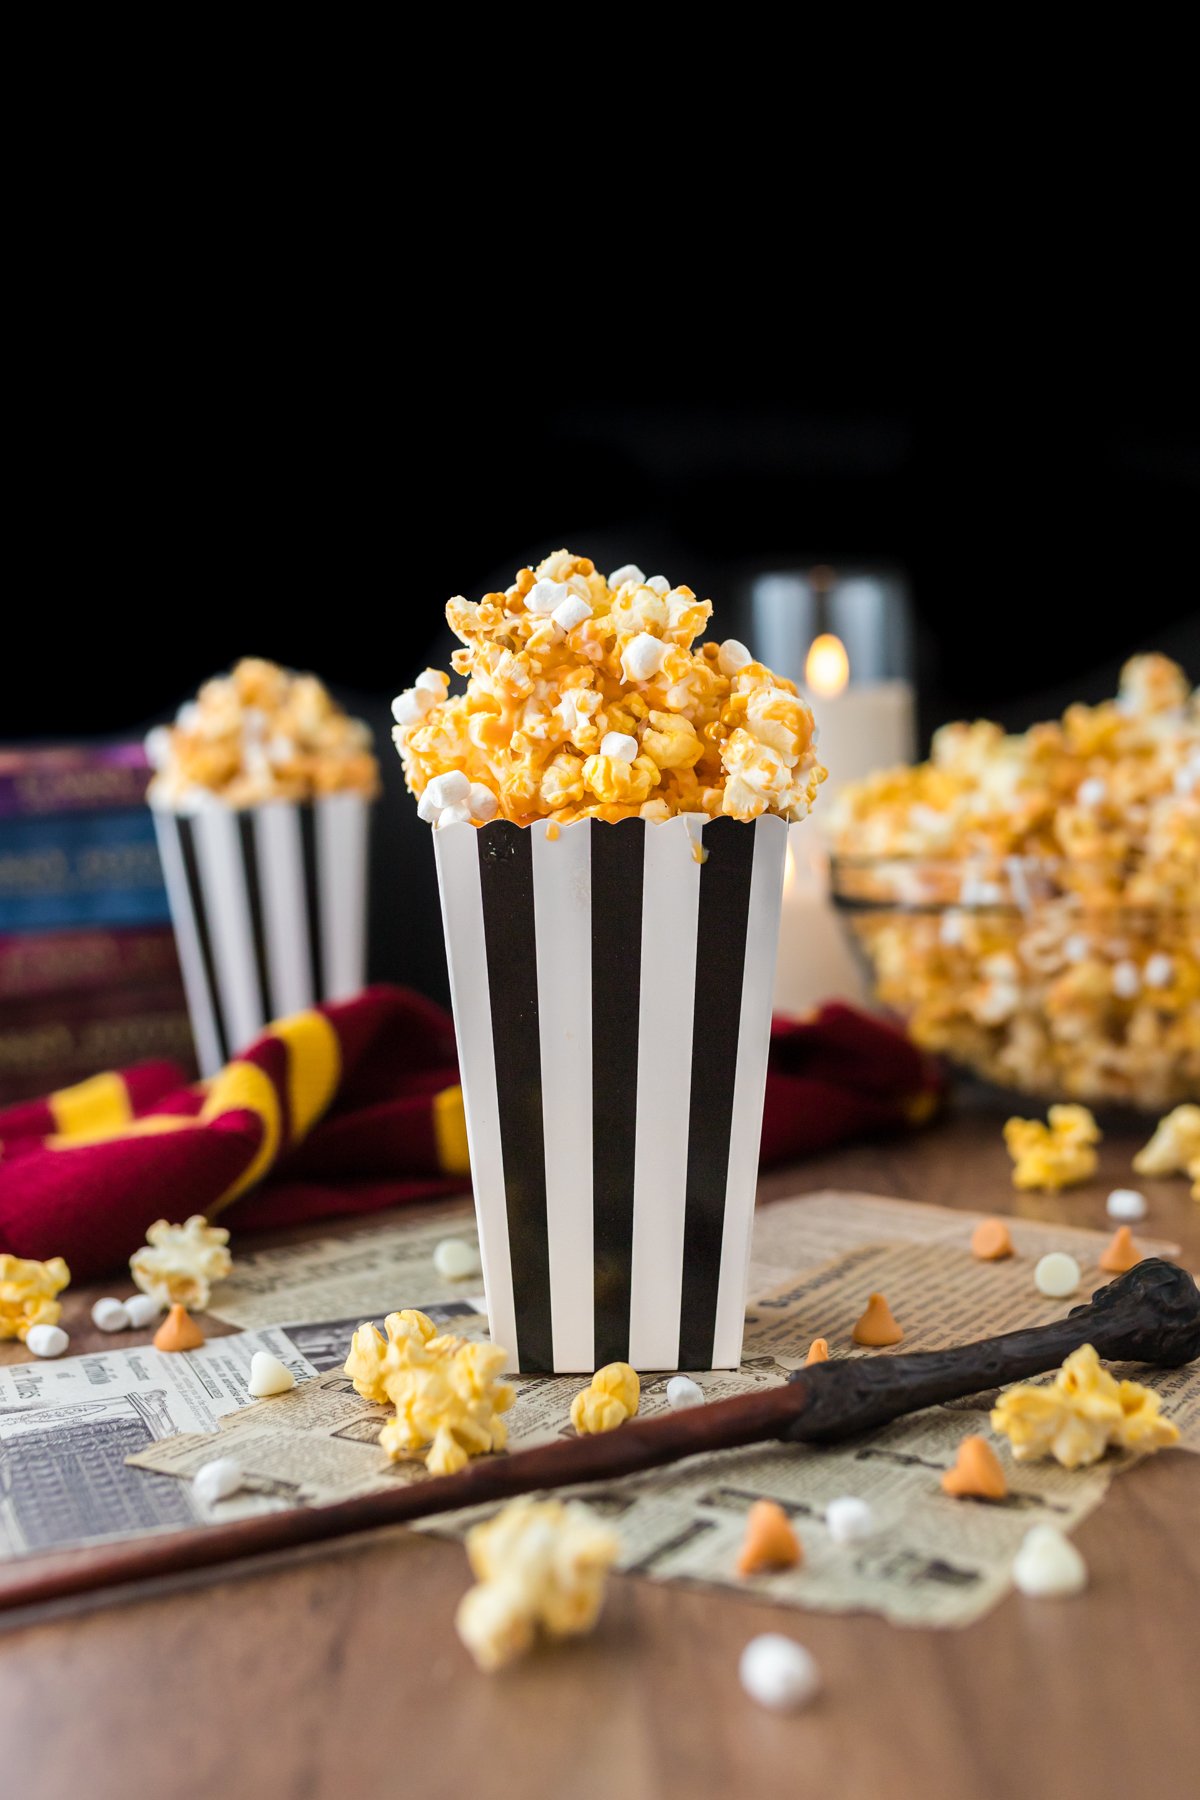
x=323 y=522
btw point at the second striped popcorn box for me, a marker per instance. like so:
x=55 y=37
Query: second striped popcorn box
x=269 y=906
x=612 y=1000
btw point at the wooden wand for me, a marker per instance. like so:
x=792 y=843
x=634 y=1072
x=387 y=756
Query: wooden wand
x=1151 y=1315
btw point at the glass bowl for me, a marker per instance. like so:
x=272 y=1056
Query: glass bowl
x=1051 y=977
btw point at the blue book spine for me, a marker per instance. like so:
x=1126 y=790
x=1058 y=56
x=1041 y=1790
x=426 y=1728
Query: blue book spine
x=80 y=869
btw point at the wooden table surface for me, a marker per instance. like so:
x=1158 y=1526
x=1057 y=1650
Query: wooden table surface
x=336 y=1673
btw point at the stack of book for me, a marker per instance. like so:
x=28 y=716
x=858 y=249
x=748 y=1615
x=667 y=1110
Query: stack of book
x=89 y=978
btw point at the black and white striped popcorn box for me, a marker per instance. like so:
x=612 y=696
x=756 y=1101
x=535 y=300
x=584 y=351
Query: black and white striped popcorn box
x=612 y=1001
x=269 y=906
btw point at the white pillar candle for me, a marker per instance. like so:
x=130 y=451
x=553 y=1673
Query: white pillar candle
x=865 y=727
x=815 y=961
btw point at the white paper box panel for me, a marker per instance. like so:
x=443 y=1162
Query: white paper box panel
x=612 y=1002
x=269 y=906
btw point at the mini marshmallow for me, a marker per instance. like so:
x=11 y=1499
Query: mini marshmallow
x=683 y=1392
x=545 y=595
x=431 y=683
x=1092 y=792
x=1126 y=1203
x=1126 y=980
x=451 y=789
x=459 y=814
x=268 y=1375
x=642 y=657
x=142 y=1309
x=572 y=612
x=732 y=656
x=1075 y=948
x=953 y=929
x=778 y=1672
x=46 y=1340
x=456 y=1260
x=619 y=745
x=1158 y=971
x=216 y=1480
x=659 y=583
x=626 y=572
x=412 y=705
x=1048 y=1566
x=428 y=809
x=1057 y=1275
x=848 y=1519
x=482 y=802
x=157 y=746
x=110 y=1315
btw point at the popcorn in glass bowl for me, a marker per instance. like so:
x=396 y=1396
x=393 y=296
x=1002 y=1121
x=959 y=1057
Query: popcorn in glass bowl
x=1030 y=905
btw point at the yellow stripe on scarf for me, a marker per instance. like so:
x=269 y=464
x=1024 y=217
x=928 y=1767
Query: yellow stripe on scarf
x=314 y=1068
x=450 y=1131
x=243 y=1087
x=93 y=1109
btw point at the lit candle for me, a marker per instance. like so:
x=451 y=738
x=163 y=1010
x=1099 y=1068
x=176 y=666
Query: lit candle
x=863 y=726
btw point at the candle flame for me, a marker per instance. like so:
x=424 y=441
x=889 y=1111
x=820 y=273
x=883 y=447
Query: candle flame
x=827 y=667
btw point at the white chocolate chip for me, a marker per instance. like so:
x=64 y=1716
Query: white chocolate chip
x=619 y=745
x=849 y=1519
x=1158 y=971
x=572 y=612
x=143 y=1309
x=1126 y=980
x=732 y=656
x=216 y=1480
x=456 y=1260
x=778 y=1672
x=545 y=595
x=482 y=802
x=268 y=1375
x=1056 y=1275
x=642 y=657
x=1048 y=1566
x=626 y=572
x=46 y=1340
x=110 y=1315
x=451 y=789
x=683 y=1392
x=1126 y=1203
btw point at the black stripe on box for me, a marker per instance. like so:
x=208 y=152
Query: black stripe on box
x=618 y=857
x=506 y=885
x=248 y=835
x=725 y=877
x=312 y=899
x=187 y=848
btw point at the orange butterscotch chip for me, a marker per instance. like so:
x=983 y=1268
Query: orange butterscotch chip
x=976 y=1474
x=178 y=1331
x=877 y=1328
x=990 y=1240
x=1121 y=1254
x=818 y=1351
x=770 y=1542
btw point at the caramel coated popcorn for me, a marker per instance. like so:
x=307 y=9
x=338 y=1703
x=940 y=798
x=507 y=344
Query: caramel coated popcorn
x=1032 y=902
x=260 y=733
x=612 y=1396
x=444 y=1390
x=1053 y=1156
x=1082 y=1412
x=585 y=698
x=541 y=1565
x=29 y=1294
x=178 y=1263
